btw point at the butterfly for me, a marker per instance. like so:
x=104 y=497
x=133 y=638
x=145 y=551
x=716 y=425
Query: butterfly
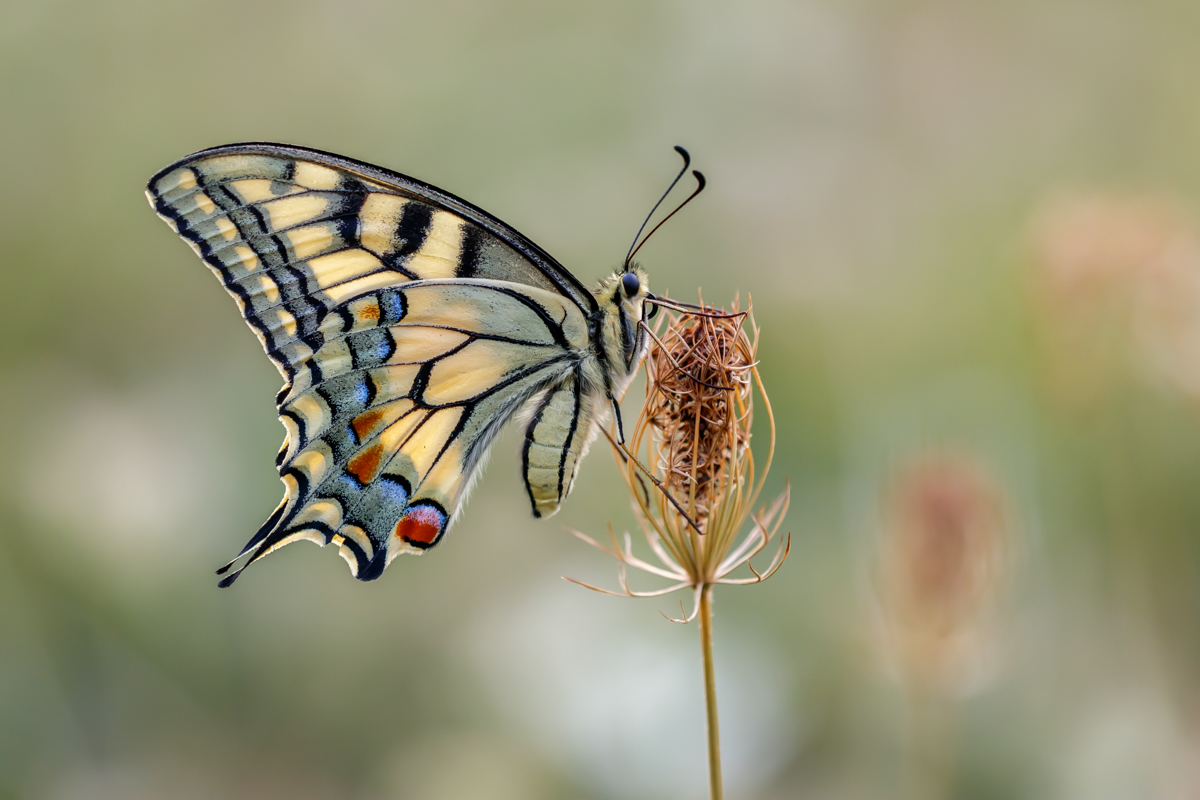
x=409 y=326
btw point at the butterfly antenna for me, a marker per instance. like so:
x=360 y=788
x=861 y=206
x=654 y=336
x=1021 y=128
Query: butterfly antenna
x=696 y=306
x=699 y=188
x=687 y=162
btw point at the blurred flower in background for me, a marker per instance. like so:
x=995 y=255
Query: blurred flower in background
x=941 y=565
x=1117 y=296
x=1119 y=278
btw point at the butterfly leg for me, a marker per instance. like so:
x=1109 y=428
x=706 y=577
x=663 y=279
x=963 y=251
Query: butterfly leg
x=617 y=415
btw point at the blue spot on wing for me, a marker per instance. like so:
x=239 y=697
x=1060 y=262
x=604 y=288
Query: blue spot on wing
x=382 y=350
x=391 y=307
x=361 y=393
x=393 y=490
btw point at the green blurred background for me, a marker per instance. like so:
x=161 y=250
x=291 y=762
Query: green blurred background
x=967 y=228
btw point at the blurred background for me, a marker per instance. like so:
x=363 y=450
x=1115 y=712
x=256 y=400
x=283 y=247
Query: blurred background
x=970 y=233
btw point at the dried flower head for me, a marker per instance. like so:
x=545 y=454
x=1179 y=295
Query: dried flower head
x=694 y=432
x=702 y=407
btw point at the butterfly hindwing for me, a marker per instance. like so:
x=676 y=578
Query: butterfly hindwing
x=381 y=449
x=409 y=327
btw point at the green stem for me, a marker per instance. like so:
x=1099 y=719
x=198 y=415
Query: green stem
x=710 y=694
x=932 y=745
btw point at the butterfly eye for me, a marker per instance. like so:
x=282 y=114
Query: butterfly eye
x=653 y=310
x=631 y=284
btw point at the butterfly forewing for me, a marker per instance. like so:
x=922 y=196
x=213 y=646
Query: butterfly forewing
x=294 y=234
x=408 y=325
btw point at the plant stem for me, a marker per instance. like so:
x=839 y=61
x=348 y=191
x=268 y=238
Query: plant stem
x=710 y=694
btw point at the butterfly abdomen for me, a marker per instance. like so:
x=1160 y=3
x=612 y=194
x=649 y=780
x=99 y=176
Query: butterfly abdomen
x=556 y=438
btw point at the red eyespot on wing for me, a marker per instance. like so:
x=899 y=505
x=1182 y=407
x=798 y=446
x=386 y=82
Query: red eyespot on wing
x=421 y=525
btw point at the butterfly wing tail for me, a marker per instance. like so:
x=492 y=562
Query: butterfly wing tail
x=365 y=560
x=366 y=566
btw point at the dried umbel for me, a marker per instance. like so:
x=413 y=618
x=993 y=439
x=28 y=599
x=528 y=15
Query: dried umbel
x=700 y=487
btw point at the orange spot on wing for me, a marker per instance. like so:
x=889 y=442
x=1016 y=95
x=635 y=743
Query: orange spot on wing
x=366 y=424
x=369 y=312
x=421 y=525
x=365 y=465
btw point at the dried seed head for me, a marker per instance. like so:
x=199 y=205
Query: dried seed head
x=688 y=460
x=702 y=430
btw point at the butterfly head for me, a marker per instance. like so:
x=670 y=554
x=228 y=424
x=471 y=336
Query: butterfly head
x=622 y=297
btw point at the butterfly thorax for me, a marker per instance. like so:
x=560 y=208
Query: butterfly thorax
x=620 y=341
